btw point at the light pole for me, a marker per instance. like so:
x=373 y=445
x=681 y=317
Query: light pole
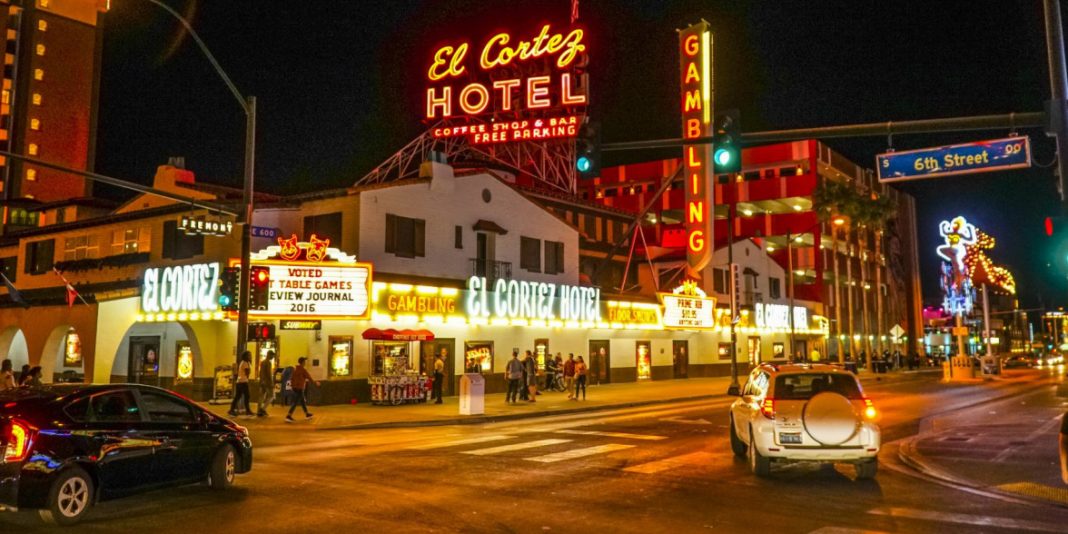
x=790 y=237
x=248 y=105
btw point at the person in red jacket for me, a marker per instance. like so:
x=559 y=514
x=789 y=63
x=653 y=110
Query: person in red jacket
x=298 y=382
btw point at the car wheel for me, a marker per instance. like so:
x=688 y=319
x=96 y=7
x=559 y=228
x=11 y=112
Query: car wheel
x=223 y=468
x=69 y=499
x=760 y=465
x=867 y=470
x=737 y=446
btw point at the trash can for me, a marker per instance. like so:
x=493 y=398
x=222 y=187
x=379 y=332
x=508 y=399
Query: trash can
x=472 y=394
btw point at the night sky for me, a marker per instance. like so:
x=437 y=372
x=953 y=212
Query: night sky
x=339 y=87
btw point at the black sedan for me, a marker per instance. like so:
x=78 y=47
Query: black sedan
x=69 y=446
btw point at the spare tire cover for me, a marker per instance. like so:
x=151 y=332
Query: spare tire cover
x=830 y=418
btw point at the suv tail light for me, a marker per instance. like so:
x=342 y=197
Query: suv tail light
x=869 y=409
x=767 y=408
x=19 y=438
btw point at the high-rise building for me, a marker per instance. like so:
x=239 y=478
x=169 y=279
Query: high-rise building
x=48 y=103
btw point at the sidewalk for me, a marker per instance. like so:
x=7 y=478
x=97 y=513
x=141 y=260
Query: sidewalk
x=1009 y=448
x=603 y=397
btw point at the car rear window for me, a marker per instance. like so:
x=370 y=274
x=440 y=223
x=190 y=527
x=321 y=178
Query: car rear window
x=802 y=386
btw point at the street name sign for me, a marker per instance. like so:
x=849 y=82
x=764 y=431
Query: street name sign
x=968 y=158
x=265 y=231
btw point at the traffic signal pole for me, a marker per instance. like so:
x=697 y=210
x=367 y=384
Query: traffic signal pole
x=1058 y=85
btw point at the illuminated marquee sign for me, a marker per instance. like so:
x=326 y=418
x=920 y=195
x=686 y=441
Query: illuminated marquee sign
x=509 y=74
x=313 y=280
x=778 y=316
x=695 y=44
x=688 y=307
x=513 y=299
x=202 y=226
x=181 y=288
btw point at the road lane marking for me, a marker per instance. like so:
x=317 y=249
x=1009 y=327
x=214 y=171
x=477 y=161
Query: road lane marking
x=622 y=435
x=1033 y=489
x=579 y=453
x=456 y=442
x=518 y=446
x=968 y=519
x=649 y=468
x=687 y=421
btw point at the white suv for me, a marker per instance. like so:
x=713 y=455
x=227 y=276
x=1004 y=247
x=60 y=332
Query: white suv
x=804 y=413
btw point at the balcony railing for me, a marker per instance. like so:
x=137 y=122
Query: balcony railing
x=492 y=270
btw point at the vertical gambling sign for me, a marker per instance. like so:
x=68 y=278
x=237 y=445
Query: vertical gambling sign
x=695 y=52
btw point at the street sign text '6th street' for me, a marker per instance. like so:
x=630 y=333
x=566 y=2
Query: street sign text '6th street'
x=980 y=156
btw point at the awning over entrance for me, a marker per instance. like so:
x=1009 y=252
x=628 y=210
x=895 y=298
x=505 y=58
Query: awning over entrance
x=489 y=226
x=397 y=335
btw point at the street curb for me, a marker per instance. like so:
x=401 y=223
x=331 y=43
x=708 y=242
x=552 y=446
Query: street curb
x=480 y=419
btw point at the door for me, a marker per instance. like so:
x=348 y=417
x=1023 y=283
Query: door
x=184 y=448
x=447 y=349
x=600 y=371
x=680 y=351
x=113 y=423
x=143 y=360
x=643 y=359
x=482 y=255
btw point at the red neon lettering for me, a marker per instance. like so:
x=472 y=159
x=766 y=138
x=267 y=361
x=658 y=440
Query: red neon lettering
x=693 y=128
x=444 y=102
x=691 y=46
x=537 y=93
x=696 y=242
x=454 y=58
x=483 y=99
x=691 y=74
x=697 y=212
x=506 y=87
x=566 y=97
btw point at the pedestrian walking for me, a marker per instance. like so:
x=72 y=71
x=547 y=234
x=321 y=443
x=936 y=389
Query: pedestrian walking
x=241 y=392
x=439 y=376
x=299 y=381
x=580 y=378
x=7 y=376
x=266 y=384
x=550 y=371
x=569 y=375
x=514 y=373
x=531 y=366
x=523 y=381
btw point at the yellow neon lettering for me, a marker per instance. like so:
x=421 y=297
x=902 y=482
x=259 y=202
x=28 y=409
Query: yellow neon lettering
x=566 y=97
x=693 y=100
x=695 y=183
x=506 y=87
x=483 y=99
x=691 y=73
x=691 y=157
x=693 y=128
x=497 y=53
x=444 y=102
x=697 y=212
x=690 y=45
x=537 y=93
x=454 y=58
x=697 y=241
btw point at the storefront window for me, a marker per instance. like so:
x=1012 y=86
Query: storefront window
x=778 y=351
x=340 y=357
x=390 y=358
x=541 y=348
x=478 y=356
x=183 y=363
x=645 y=360
x=754 y=350
x=725 y=351
x=72 y=350
x=263 y=347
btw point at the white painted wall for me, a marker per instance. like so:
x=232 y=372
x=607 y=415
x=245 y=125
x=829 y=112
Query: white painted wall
x=448 y=201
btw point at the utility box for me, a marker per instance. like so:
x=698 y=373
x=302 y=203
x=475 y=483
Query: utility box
x=472 y=394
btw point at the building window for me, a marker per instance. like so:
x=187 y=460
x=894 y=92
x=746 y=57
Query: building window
x=775 y=287
x=37 y=99
x=31 y=175
x=80 y=247
x=325 y=226
x=554 y=257
x=179 y=246
x=458 y=238
x=38 y=74
x=35 y=124
x=5 y=97
x=719 y=280
x=130 y=240
x=530 y=254
x=405 y=237
x=40 y=49
x=10 y=267
x=32 y=149
x=42 y=25
x=40 y=256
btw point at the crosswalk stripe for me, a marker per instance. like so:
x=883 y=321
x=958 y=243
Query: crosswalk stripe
x=579 y=453
x=518 y=446
x=622 y=435
x=453 y=443
x=657 y=466
x=1007 y=523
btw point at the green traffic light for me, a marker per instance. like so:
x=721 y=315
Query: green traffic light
x=722 y=156
x=583 y=164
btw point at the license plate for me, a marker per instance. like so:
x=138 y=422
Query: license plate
x=790 y=438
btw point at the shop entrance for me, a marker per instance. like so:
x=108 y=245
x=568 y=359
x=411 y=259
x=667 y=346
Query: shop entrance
x=600 y=362
x=143 y=363
x=680 y=351
x=430 y=349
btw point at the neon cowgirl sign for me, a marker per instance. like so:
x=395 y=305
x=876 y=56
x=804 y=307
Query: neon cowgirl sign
x=509 y=75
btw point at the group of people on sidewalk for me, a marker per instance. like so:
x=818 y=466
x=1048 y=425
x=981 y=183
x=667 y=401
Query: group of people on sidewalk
x=29 y=376
x=298 y=383
x=522 y=375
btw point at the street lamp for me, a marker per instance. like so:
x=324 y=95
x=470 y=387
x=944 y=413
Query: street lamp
x=248 y=105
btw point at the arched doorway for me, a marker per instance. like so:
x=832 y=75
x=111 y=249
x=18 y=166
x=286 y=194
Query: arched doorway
x=158 y=354
x=62 y=359
x=13 y=347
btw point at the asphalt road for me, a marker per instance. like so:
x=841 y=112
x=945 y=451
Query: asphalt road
x=665 y=468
